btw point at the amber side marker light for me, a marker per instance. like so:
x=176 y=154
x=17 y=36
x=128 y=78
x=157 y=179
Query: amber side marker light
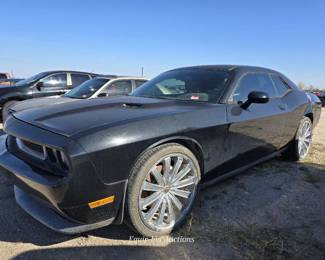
x=101 y=202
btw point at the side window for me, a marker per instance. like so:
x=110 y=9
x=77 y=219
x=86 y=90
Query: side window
x=253 y=82
x=280 y=85
x=138 y=83
x=57 y=80
x=172 y=86
x=77 y=79
x=122 y=87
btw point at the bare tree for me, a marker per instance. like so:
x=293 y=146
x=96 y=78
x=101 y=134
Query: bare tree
x=302 y=85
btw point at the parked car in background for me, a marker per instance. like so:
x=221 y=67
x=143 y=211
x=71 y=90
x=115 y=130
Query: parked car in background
x=90 y=163
x=101 y=86
x=9 y=82
x=321 y=96
x=44 y=84
x=4 y=76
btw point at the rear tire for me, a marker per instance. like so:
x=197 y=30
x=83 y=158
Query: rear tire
x=299 y=147
x=169 y=173
x=5 y=109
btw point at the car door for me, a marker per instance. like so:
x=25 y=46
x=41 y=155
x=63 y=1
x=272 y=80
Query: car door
x=77 y=79
x=51 y=85
x=117 y=88
x=254 y=132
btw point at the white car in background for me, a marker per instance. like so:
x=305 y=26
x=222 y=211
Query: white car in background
x=101 y=86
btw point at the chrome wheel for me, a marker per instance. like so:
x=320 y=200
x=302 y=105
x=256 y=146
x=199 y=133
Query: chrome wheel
x=304 y=139
x=167 y=192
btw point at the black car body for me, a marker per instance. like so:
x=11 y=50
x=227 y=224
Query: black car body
x=74 y=165
x=44 y=84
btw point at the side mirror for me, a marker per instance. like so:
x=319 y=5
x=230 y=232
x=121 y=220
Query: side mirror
x=39 y=85
x=257 y=97
x=103 y=94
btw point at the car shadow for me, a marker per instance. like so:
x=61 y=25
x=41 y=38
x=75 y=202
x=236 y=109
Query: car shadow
x=276 y=199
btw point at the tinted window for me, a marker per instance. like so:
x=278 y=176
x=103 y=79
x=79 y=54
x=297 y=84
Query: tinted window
x=253 y=82
x=279 y=84
x=77 y=79
x=198 y=84
x=32 y=79
x=122 y=87
x=138 y=83
x=56 y=80
x=87 y=89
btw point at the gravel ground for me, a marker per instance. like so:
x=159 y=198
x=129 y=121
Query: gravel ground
x=275 y=210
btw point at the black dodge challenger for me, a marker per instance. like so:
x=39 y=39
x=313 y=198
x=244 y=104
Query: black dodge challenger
x=140 y=158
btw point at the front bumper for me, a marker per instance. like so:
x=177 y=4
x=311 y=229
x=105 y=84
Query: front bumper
x=48 y=217
x=62 y=204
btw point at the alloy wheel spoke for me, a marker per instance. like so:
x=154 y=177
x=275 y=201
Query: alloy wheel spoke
x=181 y=193
x=182 y=173
x=158 y=176
x=303 y=150
x=177 y=166
x=154 y=209
x=162 y=212
x=149 y=200
x=166 y=168
x=171 y=213
x=175 y=201
x=148 y=186
x=186 y=182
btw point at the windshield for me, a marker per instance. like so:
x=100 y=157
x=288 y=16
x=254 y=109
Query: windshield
x=87 y=89
x=197 y=84
x=31 y=79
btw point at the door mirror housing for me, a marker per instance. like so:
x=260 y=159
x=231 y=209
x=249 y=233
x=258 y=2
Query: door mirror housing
x=257 y=97
x=39 y=85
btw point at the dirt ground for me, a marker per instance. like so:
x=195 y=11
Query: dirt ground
x=275 y=210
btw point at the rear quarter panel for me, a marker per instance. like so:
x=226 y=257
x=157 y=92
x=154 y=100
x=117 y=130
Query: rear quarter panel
x=297 y=106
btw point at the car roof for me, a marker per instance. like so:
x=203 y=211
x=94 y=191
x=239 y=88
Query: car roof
x=229 y=68
x=121 y=77
x=69 y=71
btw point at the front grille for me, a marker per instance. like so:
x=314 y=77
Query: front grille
x=33 y=149
x=50 y=159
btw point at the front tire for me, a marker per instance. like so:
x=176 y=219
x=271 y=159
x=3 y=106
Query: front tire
x=300 y=146
x=162 y=189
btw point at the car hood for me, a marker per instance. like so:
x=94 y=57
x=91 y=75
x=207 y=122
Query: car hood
x=5 y=88
x=76 y=117
x=40 y=102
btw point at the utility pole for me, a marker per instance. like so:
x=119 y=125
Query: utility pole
x=142 y=72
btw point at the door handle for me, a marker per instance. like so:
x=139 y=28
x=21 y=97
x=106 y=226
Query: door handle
x=282 y=107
